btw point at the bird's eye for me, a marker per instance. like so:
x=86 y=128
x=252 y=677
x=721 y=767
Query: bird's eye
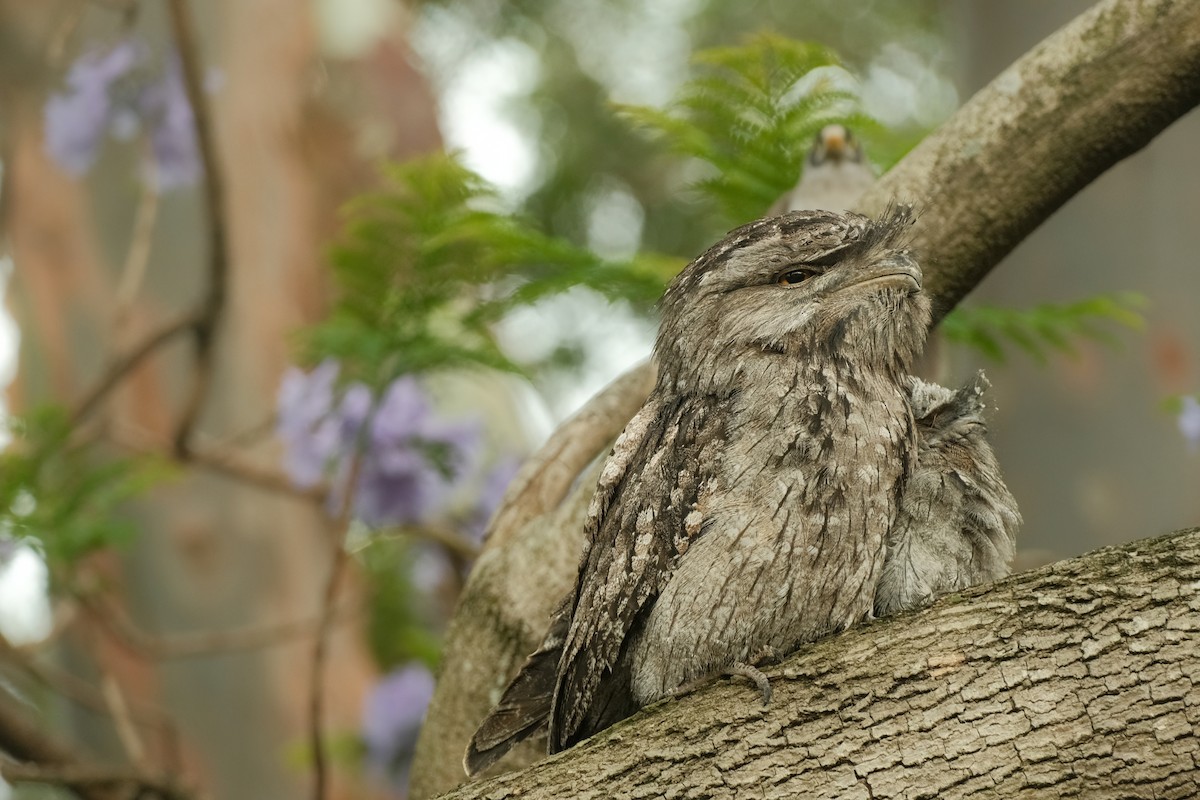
x=794 y=277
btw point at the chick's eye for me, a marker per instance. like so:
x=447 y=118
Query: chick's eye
x=794 y=277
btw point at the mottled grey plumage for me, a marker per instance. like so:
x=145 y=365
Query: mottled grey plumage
x=749 y=504
x=835 y=175
x=958 y=522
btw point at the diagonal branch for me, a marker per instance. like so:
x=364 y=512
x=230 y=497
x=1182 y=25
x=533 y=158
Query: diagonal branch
x=123 y=365
x=43 y=758
x=202 y=322
x=1090 y=95
x=113 y=619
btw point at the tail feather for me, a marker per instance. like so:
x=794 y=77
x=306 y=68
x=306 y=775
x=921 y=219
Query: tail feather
x=525 y=705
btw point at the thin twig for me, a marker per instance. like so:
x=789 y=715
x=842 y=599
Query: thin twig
x=133 y=272
x=201 y=323
x=232 y=464
x=216 y=458
x=337 y=567
x=205 y=643
x=213 y=305
x=124 y=6
x=63 y=33
x=118 y=709
x=454 y=542
x=82 y=776
x=123 y=365
x=26 y=738
x=88 y=696
x=252 y=434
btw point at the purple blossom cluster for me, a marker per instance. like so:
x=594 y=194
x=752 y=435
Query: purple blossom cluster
x=411 y=460
x=119 y=91
x=1189 y=420
x=8 y=549
x=392 y=714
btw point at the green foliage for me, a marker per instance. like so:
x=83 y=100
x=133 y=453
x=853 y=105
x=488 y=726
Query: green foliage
x=1173 y=404
x=56 y=495
x=751 y=114
x=422 y=270
x=399 y=629
x=343 y=748
x=1043 y=328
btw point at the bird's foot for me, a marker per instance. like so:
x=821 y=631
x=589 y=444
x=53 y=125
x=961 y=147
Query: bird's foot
x=755 y=675
x=767 y=655
x=749 y=670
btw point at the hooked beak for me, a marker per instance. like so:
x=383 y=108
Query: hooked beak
x=834 y=144
x=893 y=275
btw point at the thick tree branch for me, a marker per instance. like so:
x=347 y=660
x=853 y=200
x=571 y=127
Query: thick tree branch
x=1087 y=97
x=1090 y=95
x=1080 y=679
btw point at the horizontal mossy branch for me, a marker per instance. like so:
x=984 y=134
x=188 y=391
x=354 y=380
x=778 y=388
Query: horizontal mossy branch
x=1081 y=679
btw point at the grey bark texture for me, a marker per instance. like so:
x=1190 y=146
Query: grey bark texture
x=1088 y=96
x=1079 y=679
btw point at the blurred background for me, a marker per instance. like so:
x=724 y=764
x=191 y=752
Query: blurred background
x=396 y=330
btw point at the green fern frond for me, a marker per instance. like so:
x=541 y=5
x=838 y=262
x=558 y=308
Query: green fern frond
x=57 y=495
x=750 y=114
x=422 y=271
x=1045 y=328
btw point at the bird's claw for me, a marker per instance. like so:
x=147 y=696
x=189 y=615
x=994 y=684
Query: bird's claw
x=754 y=674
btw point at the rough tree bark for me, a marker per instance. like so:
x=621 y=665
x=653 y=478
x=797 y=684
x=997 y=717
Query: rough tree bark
x=1088 y=96
x=1077 y=679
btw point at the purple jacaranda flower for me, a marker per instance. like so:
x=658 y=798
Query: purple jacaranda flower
x=166 y=108
x=8 y=549
x=411 y=460
x=118 y=91
x=392 y=714
x=1189 y=421
x=78 y=118
x=311 y=434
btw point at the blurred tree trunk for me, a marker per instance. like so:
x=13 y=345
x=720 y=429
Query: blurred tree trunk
x=214 y=554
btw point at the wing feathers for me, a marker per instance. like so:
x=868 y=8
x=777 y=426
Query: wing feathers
x=525 y=705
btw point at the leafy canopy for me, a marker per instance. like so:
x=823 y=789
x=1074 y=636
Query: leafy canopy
x=58 y=495
x=422 y=269
x=750 y=114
